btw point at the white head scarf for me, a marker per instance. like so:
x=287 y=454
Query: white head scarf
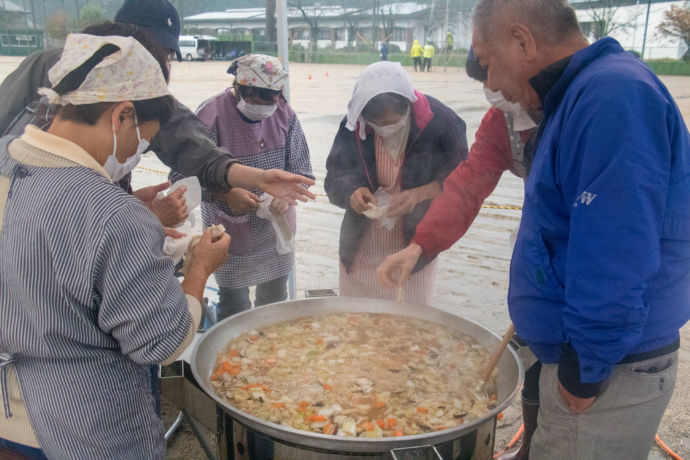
x=130 y=74
x=378 y=78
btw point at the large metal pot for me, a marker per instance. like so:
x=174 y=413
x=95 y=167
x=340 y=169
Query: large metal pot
x=510 y=376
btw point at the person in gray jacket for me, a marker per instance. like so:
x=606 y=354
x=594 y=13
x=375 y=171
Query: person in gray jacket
x=181 y=143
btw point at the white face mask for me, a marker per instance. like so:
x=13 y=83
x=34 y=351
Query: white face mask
x=117 y=170
x=389 y=130
x=496 y=99
x=394 y=136
x=255 y=112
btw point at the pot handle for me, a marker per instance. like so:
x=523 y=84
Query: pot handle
x=417 y=453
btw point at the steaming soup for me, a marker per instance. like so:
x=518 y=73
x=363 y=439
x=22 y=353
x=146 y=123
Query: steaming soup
x=367 y=375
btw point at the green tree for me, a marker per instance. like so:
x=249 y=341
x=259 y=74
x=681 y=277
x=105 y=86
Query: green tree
x=58 y=25
x=91 y=14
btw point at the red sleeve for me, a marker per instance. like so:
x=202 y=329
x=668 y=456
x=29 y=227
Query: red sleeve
x=453 y=210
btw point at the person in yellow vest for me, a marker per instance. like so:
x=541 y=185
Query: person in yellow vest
x=428 y=54
x=416 y=54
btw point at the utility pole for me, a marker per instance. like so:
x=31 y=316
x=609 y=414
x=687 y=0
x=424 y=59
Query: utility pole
x=646 y=24
x=76 y=2
x=33 y=14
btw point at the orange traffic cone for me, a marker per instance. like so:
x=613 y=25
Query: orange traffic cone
x=309 y=77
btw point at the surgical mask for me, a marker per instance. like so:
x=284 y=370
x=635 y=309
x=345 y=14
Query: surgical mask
x=523 y=120
x=497 y=100
x=117 y=170
x=389 y=130
x=255 y=112
x=394 y=136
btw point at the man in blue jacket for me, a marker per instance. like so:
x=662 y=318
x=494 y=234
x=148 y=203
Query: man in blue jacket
x=600 y=275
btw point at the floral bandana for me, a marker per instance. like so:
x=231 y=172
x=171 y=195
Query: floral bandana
x=130 y=74
x=261 y=71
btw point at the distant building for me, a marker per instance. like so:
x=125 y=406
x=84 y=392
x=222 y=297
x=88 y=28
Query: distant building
x=337 y=26
x=626 y=23
x=402 y=23
x=17 y=35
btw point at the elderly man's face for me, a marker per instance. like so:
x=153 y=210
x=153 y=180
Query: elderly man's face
x=507 y=68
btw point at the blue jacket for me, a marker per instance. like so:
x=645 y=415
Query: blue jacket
x=602 y=259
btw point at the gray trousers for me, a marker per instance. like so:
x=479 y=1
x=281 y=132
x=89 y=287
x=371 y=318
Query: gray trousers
x=621 y=423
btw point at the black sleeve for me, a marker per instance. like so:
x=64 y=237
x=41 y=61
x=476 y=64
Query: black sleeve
x=19 y=88
x=183 y=145
x=452 y=141
x=344 y=173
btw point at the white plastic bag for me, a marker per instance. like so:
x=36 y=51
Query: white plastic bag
x=285 y=242
x=379 y=211
x=176 y=247
x=192 y=196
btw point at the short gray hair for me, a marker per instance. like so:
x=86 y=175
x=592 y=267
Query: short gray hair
x=550 y=20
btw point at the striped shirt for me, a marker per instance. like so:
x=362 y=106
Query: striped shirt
x=377 y=243
x=274 y=143
x=87 y=300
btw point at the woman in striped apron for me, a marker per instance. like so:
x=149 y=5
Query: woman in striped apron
x=88 y=301
x=398 y=145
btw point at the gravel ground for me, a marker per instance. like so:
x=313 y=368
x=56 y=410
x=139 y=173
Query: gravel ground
x=472 y=279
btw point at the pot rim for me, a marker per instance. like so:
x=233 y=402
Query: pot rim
x=303 y=438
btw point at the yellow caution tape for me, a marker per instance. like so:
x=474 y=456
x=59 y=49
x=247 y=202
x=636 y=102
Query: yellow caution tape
x=486 y=206
x=491 y=206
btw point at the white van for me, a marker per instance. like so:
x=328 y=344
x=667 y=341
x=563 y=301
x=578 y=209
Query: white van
x=196 y=47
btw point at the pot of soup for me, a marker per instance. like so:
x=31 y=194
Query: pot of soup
x=341 y=377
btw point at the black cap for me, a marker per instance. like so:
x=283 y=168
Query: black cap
x=157 y=17
x=473 y=69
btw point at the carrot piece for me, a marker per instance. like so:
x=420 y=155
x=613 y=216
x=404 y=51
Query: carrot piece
x=378 y=404
x=397 y=433
x=328 y=429
x=499 y=416
x=317 y=418
x=214 y=377
x=381 y=423
x=422 y=410
x=366 y=426
x=230 y=368
x=235 y=370
x=258 y=385
x=278 y=405
x=327 y=387
x=234 y=353
x=303 y=403
x=320 y=341
x=254 y=337
x=270 y=361
x=391 y=422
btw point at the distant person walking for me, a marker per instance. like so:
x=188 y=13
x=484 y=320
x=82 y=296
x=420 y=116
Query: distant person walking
x=449 y=41
x=384 y=51
x=428 y=54
x=416 y=54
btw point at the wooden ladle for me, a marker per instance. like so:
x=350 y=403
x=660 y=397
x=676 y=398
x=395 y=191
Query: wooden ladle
x=498 y=352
